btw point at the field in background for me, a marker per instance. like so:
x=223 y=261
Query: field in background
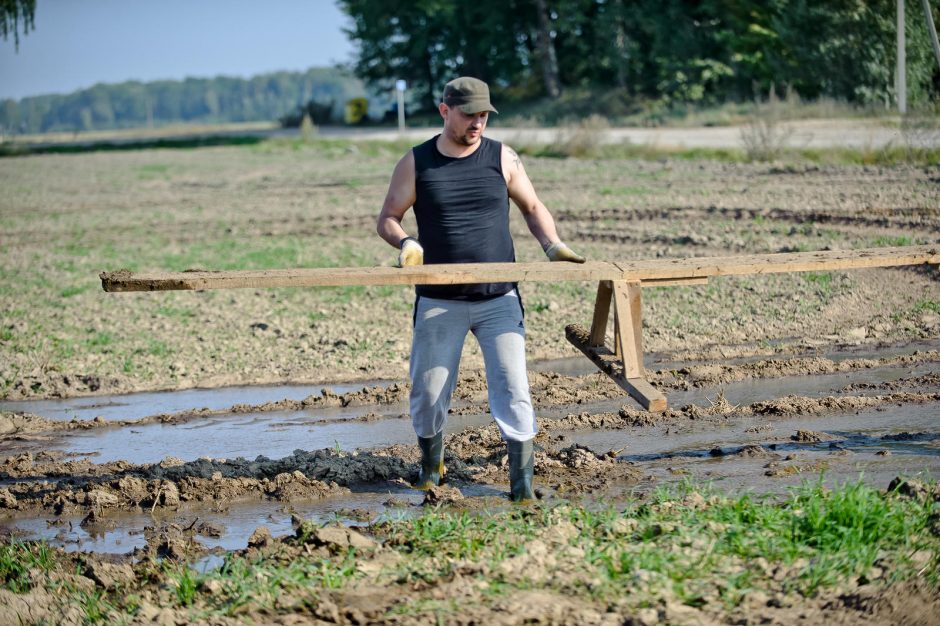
x=289 y=203
x=850 y=353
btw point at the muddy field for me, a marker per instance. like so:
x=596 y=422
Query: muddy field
x=173 y=426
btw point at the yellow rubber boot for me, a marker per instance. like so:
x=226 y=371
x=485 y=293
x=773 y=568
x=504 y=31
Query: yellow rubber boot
x=432 y=461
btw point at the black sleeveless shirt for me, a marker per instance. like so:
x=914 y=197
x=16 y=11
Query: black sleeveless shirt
x=462 y=209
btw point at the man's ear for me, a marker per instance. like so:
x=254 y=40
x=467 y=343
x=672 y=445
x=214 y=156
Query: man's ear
x=443 y=109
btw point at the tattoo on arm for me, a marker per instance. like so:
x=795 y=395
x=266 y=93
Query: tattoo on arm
x=515 y=158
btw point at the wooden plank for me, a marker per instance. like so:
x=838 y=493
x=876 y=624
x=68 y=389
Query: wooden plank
x=659 y=269
x=628 y=342
x=601 y=313
x=639 y=389
x=452 y=274
x=656 y=269
x=673 y=282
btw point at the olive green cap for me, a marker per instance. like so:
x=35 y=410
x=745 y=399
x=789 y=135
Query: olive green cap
x=470 y=95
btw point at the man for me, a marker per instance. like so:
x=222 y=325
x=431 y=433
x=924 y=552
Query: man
x=459 y=184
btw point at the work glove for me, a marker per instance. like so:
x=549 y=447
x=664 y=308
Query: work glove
x=558 y=251
x=411 y=252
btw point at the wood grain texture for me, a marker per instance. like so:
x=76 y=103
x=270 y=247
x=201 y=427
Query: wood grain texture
x=628 y=341
x=661 y=269
x=640 y=389
x=651 y=270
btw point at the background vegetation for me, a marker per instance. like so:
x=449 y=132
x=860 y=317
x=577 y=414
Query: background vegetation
x=552 y=61
x=194 y=100
x=653 y=51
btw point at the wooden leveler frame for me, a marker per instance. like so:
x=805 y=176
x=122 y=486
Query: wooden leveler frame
x=619 y=284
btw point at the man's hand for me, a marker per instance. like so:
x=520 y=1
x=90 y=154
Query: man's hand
x=411 y=253
x=558 y=251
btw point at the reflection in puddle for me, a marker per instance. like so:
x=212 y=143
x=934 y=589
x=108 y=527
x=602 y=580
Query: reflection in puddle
x=124 y=531
x=137 y=405
x=271 y=434
x=881 y=443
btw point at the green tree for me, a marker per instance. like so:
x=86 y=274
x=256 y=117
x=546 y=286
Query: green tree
x=16 y=15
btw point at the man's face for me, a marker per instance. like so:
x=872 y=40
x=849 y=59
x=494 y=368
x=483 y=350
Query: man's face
x=464 y=128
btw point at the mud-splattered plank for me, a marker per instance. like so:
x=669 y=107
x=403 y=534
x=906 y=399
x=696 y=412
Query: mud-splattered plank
x=658 y=272
x=452 y=274
x=648 y=396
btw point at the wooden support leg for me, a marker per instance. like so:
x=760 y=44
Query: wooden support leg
x=601 y=312
x=628 y=338
x=625 y=364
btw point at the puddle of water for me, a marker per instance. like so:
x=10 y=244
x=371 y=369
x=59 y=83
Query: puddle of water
x=137 y=405
x=698 y=441
x=757 y=389
x=671 y=457
x=748 y=475
x=389 y=500
x=278 y=434
x=271 y=434
x=838 y=354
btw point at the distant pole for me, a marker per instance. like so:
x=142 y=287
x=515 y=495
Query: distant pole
x=400 y=90
x=901 y=75
x=932 y=29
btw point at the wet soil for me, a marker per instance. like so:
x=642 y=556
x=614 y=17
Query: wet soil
x=772 y=380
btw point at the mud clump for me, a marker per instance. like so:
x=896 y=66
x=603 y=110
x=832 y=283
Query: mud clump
x=171 y=541
x=754 y=451
x=800 y=405
x=775 y=470
x=811 y=436
x=716 y=374
x=334 y=538
x=442 y=495
x=915 y=489
x=578 y=470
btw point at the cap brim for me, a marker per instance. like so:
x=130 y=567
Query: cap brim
x=472 y=105
x=476 y=107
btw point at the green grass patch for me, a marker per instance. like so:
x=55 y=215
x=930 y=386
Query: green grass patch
x=100 y=339
x=625 y=191
x=68 y=292
x=153 y=171
x=892 y=242
x=14 y=149
x=18 y=559
x=922 y=305
x=175 y=312
x=822 y=280
x=686 y=542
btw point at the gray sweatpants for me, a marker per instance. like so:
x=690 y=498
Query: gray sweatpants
x=440 y=329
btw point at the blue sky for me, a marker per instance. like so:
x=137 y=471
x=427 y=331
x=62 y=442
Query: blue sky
x=77 y=43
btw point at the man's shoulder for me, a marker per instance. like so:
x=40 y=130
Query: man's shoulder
x=425 y=146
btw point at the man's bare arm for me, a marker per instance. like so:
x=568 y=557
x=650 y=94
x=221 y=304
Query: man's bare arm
x=400 y=198
x=538 y=218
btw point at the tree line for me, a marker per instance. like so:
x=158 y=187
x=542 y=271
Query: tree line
x=666 y=51
x=221 y=99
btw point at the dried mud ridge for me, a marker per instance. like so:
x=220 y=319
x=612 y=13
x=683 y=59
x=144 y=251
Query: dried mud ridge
x=552 y=555
x=549 y=390
x=45 y=482
x=920 y=218
x=476 y=455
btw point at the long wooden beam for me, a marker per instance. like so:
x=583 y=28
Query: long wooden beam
x=704 y=267
x=649 y=273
